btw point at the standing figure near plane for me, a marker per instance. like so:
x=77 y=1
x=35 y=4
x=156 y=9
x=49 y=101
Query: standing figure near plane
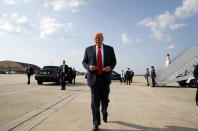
x=147 y=75
x=167 y=60
x=62 y=74
x=132 y=74
x=99 y=61
x=195 y=73
x=74 y=75
x=122 y=76
x=128 y=76
x=153 y=75
x=29 y=72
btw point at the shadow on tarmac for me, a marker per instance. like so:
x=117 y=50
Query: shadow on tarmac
x=67 y=84
x=171 y=87
x=144 y=128
x=78 y=84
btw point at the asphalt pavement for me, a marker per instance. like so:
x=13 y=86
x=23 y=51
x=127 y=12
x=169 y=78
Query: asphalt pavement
x=134 y=107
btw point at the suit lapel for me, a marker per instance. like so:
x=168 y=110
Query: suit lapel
x=105 y=53
x=94 y=54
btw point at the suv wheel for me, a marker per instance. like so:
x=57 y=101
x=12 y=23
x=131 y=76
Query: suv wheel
x=58 y=82
x=193 y=83
x=182 y=83
x=70 y=81
x=39 y=82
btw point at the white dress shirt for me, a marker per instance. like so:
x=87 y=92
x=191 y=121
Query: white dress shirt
x=63 y=68
x=102 y=53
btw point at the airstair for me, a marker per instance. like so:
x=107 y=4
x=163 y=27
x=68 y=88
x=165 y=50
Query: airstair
x=180 y=68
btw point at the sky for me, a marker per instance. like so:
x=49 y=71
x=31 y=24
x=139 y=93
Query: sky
x=142 y=32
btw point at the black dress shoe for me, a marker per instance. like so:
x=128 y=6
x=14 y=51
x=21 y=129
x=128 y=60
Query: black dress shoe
x=95 y=128
x=105 y=118
x=197 y=103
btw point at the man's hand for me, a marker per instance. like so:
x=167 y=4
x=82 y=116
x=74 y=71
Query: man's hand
x=106 y=69
x=92 y=68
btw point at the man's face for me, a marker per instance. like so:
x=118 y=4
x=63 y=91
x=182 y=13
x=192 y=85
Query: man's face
x=63 y=62
x=98 y=39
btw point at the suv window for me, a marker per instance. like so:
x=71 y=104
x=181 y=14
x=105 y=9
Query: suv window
x=113 y=73
x=49 y=68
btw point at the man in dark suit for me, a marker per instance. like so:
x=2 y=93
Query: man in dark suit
x=128 y=76
x=62 y=74
x=29 y=72
x=153 y=75
x=132 y=74
x=74 y=75
x=195 y=73
x=99 y=61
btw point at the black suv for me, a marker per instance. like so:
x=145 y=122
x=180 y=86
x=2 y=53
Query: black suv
x=116 y=76
x=49 y=74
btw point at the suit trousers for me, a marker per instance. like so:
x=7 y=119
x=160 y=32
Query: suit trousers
x=197 y=95
x=74 y=79
x=63 y=83
x=99 y=94
x=153 y=81
x=28 y=75
x=147 y=79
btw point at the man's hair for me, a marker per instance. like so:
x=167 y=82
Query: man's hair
x=98 y=33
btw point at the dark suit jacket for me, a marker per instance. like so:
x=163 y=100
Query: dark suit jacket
x=195 y=73
x=90 y=59
x=153 y=75
x=29 y=71
x=60 y=70
x=128 y=75
x=74 y=73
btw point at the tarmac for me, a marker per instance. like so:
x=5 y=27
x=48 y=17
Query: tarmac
x=134 y=107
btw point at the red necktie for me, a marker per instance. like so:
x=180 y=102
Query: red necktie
x=99 y=61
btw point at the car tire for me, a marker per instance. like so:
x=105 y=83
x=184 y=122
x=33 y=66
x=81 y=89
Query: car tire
x=39 y=82
x=70 y=81
x=182 y=83
x=193 y=83
x=58 y=82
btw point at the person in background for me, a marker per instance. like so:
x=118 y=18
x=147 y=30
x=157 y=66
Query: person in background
x=167 y=60
x=29 y=71
x=74 y=75
x=128 y=77
x=62 y=74
x=147 y=75
x=153 y=75
x=195 y=73
x=132 y=74
x=122 y=76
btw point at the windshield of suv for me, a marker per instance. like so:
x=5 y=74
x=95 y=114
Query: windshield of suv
x=50 y=68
